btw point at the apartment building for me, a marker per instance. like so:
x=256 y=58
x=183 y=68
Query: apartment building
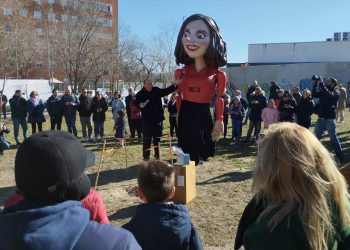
x=39 y=16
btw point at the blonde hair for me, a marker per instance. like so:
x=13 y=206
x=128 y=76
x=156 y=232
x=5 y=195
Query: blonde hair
x=295 y=172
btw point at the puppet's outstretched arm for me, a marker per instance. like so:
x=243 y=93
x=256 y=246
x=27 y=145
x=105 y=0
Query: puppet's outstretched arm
x=219 y=105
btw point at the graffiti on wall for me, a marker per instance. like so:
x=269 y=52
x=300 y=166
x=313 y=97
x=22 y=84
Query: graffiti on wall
x=284 y=84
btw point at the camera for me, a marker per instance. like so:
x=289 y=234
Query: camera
x=316 y=78
x=3 y=127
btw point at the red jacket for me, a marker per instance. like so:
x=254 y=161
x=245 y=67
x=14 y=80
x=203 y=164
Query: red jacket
x=135 y=111
x=93 y=202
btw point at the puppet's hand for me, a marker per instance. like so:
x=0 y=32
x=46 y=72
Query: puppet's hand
x=217 y=130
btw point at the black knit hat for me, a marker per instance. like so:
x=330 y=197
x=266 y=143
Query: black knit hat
x=49 y=167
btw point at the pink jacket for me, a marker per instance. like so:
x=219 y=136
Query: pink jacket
x=269 y=116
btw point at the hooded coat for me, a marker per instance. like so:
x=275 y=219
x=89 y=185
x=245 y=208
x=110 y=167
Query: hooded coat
x=163 y=226
x=66 y=225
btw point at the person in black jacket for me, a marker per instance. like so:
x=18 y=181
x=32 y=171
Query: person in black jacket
x=4 y=102
x=172 y=115
x=157 y=223
x=55 y=110
x=257 y=103
x=287 y=107
x=326 y=110
x=249 y=93
x=305 y=108
x=273 y=90
x=85 y=114
x=99 y=108
x=149 y=99
x=18 y=114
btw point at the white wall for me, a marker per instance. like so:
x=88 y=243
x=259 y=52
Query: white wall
x=299 y=52
x=286 y=75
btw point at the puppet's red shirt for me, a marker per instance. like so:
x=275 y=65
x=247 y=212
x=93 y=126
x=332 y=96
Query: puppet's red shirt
x=200 y=87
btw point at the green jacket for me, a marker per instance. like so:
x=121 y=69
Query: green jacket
x=288 y=235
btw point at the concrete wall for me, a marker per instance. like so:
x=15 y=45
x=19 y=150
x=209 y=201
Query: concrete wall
x=299 y=52
x=286 y=75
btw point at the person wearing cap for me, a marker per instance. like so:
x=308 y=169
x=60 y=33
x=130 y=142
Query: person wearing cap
x=326 y=110
x=49 y=173
x=70 y=104
x=128 y=108
x=18 y=115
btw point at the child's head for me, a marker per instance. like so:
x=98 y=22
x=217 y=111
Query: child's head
x=271 y=103
x=121 y=113
x=156 y=180
x=236 y=100
x=280 y=93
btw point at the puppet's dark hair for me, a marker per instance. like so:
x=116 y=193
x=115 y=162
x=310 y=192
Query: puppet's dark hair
x=216 y=55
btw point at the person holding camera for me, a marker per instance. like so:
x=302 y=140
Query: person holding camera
x=326 y=110
x=3 y=143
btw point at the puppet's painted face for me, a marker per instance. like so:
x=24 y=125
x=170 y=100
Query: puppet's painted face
x=196 y=39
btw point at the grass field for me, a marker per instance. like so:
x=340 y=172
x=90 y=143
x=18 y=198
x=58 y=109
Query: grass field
x=223 y=183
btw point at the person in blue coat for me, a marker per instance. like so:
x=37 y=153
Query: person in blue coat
x=49 y=172
x=159 y=224
x=70 y=103
x=35 y=108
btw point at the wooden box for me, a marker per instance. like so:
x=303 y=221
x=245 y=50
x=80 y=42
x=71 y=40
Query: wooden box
x=185 y=183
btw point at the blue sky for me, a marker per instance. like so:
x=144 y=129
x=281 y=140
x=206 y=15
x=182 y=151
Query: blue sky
x=244 y=22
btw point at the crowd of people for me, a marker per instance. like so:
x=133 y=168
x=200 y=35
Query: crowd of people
x=145 y=112
x=327 y=100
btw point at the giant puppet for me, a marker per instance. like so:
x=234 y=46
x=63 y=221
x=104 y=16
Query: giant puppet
x=202 y=50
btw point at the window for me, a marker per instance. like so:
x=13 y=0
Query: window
x=64 y=18
x=51 y=33
x=75 y=4
x=104 y=7
x=52 y=17
x=64 y=2
x=8 y=11
x=74 y=19
x=8 y=28
x=39 y=65
x=37 y=1
x=107 y=23
x=50 y=1
x=23 y=13
x=37 y=14
x=39 y=31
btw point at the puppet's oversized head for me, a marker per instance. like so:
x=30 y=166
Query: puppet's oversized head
x=200 y=36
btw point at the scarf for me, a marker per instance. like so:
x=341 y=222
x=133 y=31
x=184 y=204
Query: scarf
x=35 y=101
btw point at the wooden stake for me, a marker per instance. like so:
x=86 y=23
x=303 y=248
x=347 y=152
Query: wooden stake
x=100 y=164
x=171 y=150
x=126 y=155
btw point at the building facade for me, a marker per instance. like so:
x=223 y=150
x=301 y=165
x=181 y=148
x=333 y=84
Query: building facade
x=291 y=64
x=40 y=19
